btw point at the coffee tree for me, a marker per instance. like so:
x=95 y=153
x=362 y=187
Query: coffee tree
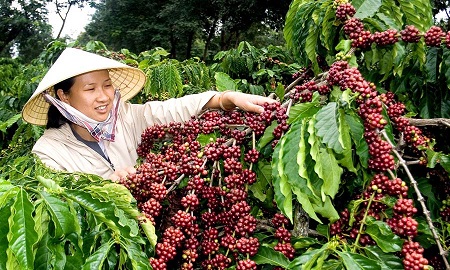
x=347 y=165
x=349 y=169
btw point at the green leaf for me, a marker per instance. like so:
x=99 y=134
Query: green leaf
x=103 y=211
x=344 y=45
x=391 y=14
x=264 y=175
x=7 y=192
x=367 y=9
x=354 y=261
x=267 y=136
x=280 y=185
x=22 y=234
x=386 y=261
x=357 y=135
x=224 y=82
x=445 y=162
x=304 y=110
x=412 y=14
x=433 y=158
x=284 y=202
x=330 y=172
x=326 y=209
x=75 y=259
x=97 y=259
x=327 y=127
x=311 y=47
x=333 y=265
x=386 y=63
x=446 y=66
x=139 y=260
x=43 y=255
x=60 y=214
x=299 y=185
x=9 y=122
x=347 y=155
x=432 y=64
x=50 y=184
x=204 y=139
x=304 y=242
x=5 y=213
x=328 y=31
x=383 y=236
x=280 y=91
x=149 y=230
x=309 y=258
x=171 y=80
x=122 y=198
x=267 y=255
x=428 y=191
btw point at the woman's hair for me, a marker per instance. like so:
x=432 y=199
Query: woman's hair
x=55 y=118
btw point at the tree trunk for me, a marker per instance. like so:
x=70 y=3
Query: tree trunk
x=173 y=46
x=211 y=31
x=236 y=42
x=189 y=44
x=301 y=222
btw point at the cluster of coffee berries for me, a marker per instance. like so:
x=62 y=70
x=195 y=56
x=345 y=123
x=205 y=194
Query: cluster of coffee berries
x=444 y=211
x=412 y=135
x=401 y=222
x=209 y=224
x=412 y=253
x=354 y=29
x=304 y=92
x=373 y=196
x=283 y=235
x=370 y=110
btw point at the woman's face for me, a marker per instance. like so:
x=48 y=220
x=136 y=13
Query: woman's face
x=92 y=94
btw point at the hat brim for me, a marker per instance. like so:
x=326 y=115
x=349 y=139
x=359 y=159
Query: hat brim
x=127 y=79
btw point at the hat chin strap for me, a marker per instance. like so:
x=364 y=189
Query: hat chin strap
x=104 y=130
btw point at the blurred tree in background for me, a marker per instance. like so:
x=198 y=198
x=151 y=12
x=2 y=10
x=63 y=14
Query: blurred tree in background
x=180 y=25
x=24 y=27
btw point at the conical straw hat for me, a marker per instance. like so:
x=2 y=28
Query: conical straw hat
x=73 y=62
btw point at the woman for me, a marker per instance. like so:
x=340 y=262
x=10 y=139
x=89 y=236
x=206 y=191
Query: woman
x=91 y=127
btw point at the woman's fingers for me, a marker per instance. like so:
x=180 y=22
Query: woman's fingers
x=121 y=173
x=250 y=103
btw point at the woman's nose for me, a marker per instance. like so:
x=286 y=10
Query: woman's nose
x=102 y=94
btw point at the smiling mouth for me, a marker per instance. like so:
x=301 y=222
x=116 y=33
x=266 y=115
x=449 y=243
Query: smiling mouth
x=101 y=107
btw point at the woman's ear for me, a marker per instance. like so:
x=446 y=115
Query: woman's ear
x=62 y=96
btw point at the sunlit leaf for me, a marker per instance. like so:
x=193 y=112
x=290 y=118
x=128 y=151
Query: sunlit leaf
x=267 y=255
x=354 y=261
x=224 y=82
x=327 y=127
x=60 y=214
x=23 y=235
x=382 y=234
x=97 y=259
x=304 y=110
x=367 y=8
x=5 y=213
x=386 y=261
x=308 y=258
x=280 y=185
x=298 y=184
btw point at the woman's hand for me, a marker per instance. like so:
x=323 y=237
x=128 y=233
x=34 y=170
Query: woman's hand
x=228 y=100
x=118 y=174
